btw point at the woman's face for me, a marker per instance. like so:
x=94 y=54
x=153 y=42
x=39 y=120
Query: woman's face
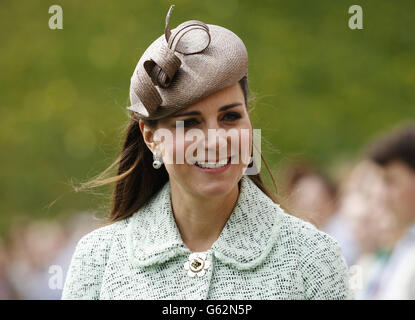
x=194 y=142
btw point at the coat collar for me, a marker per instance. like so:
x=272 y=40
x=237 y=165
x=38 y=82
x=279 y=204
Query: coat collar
x=246 y=239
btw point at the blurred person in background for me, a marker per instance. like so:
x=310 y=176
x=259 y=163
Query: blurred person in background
x=395 y=155
x=372 y=229
x=33 y=247
x=352 y=212
x=7 y=291
x=310 y=192
x=362 y=221
x=39 y=256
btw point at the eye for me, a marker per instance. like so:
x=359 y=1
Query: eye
x=231 y=116
x=190 y=122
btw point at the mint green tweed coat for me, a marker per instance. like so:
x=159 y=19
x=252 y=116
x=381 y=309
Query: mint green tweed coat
x=262 y=253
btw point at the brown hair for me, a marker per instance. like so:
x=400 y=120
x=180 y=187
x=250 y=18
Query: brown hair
x=137 y=181
x=399 y=145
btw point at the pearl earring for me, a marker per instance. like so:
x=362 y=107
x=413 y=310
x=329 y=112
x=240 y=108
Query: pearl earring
x=158 y=161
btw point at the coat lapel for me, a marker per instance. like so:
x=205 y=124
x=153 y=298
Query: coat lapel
x=246 y=239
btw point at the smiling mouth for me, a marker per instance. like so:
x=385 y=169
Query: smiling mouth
x=212 y=165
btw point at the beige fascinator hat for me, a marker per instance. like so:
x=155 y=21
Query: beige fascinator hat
x=184 y=65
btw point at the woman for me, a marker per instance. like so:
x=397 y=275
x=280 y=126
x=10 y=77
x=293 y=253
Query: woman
x=202 y=228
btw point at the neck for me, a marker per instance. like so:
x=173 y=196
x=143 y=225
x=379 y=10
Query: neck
x=201 y=220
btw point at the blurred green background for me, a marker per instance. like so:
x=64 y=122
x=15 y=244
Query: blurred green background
x=322 y=90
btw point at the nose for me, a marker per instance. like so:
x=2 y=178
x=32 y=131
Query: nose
x=216 y=142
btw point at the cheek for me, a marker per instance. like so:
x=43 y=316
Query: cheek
x=393 y=197
x=243 y=147
x=408 y=195
x=401 y=196
x=168 y=152
x=175 y=151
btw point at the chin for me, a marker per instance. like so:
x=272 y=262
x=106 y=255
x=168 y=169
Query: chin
x=213 y=187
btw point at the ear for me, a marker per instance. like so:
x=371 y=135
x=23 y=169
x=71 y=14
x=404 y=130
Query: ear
x=148 y=134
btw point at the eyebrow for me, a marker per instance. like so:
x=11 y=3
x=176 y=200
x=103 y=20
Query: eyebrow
x=195 y=113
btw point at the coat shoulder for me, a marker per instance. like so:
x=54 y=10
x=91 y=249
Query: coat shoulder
x=307 y=234
x=102 y=235
x=321 y=262
x=87 y=266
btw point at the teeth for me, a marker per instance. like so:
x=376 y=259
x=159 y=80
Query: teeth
x=209 y=165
